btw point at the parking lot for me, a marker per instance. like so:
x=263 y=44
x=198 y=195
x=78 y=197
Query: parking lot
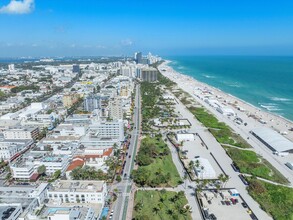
x=224 y=206
x=195 y=149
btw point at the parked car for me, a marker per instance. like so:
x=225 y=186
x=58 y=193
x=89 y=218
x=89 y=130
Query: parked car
x=235 y=168
x=243 y=179
x=233 y=201
x=244 y=205
x=212 y=217
x=253 y=217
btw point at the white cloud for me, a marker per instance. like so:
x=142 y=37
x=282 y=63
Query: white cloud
x=126 y=42
x=18 y=7
x=100 y=47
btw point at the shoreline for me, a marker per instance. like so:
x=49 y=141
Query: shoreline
x=189 y=83
x=232 y=96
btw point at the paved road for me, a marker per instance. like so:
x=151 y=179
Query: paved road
x=120 y=205
x=223 y=159
x=188 y=186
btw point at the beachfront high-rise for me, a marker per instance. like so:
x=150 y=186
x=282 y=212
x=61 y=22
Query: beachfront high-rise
x=149 y=74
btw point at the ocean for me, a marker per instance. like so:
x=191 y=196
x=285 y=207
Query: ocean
x=263 y=81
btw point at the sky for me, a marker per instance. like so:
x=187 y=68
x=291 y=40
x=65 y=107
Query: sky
x=186 y=27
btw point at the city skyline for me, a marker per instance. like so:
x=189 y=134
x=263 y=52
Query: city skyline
x=93 y=28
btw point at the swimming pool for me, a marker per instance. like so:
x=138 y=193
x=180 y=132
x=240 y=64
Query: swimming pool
x=104 y=212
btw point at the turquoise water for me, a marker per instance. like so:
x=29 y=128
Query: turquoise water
x=104 y=212
x=53 y=210
x=265 y=82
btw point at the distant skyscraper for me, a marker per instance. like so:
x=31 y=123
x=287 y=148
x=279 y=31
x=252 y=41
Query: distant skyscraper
x=75 y=68
x=92 y=102
x=138 y=57
x=11 y=67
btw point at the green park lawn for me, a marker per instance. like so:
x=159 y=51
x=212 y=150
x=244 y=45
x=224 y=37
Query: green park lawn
x=275 y=200
x=158 y=205
x=164 y=165
x=156 y=167
x=251 y=163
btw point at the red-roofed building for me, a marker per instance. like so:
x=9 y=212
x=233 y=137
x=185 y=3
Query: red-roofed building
x=93 y=160
x=34 y=177
x=6 y=89
x=76 y=162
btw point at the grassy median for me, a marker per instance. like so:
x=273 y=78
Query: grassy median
x=157 y=205
x=275 y=200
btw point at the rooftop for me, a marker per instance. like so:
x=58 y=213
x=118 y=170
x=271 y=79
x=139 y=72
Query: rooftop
x=273 y=139
x=77 y=186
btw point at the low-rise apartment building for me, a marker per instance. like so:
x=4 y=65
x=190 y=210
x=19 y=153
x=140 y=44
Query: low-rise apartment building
x=70 y=191
x=21 y=133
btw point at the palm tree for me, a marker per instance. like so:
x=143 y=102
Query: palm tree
x=199 y=189
x=160 y=207
x=156 y=210
x=225 y=179
x=205 y=182
x=185 y=178
x=183 y=211
x=187 y=208
x=191 y=165
x=218 y=188
x=175 y=198
x=181 y=194
x=170 y=212
x=138 y=206
x=197 y=163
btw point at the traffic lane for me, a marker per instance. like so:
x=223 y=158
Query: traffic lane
x=127 y=169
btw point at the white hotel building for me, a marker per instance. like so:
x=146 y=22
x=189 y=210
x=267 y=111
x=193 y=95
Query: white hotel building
x=21 y=133
x=24 y=168
x=108 y=129
x=79 y=191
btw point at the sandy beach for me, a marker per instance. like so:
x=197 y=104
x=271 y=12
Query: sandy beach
x=255 y=117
